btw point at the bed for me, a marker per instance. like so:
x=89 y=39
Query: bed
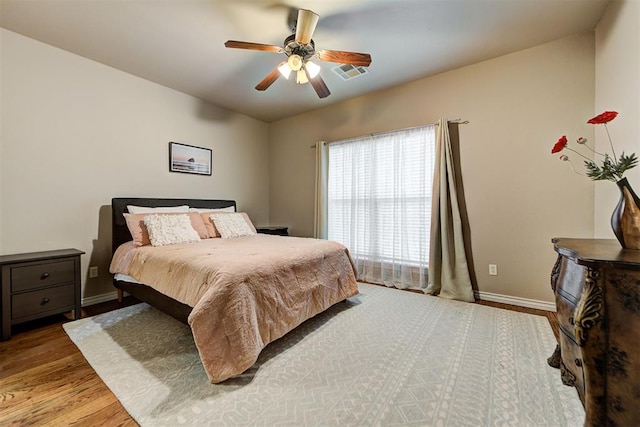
x=237 y=294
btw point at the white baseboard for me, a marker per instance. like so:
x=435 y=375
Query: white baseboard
x=96 y=299
x=520 y=302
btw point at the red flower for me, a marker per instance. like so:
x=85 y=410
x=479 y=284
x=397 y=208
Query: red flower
x=559 y=146
x=600 y=165
x=603 y=118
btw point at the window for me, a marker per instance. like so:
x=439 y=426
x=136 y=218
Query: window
x=379 y=203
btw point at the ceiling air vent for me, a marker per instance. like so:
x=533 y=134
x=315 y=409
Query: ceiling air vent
x=348 y=71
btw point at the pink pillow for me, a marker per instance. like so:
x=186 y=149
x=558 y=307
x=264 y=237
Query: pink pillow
x=140 y=235
x=211 y=228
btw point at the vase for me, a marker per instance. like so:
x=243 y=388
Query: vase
x=625 y=220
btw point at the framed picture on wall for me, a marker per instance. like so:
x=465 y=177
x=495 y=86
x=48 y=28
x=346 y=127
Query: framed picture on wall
x=185 y=158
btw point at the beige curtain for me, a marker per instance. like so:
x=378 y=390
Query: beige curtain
x=449 y=275
x=322 y=174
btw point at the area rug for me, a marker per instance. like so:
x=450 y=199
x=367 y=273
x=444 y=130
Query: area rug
x=382 y=358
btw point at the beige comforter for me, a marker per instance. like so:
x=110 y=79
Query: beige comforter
x=245 y=292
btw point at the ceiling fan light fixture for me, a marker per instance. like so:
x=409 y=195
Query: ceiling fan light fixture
x=295 y=62
x=301 y=77
x=284 y=69
x=312 y=68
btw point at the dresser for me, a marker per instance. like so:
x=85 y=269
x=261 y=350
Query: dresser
x=597 y=293
x=39 y=284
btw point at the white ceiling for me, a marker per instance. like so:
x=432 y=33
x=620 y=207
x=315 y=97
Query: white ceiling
x=180 y=43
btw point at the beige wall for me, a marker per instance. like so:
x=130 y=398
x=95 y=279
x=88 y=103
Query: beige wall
x=518 y=195
x=618 y=89
x=76 y=133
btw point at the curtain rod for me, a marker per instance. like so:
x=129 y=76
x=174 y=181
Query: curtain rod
x=458 y=121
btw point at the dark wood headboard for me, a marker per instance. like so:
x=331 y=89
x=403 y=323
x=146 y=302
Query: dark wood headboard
x=120 y=232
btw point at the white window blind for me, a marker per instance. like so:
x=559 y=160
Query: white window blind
x=379 y=203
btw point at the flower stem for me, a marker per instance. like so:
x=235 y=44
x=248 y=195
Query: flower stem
x=594 y=151
x=579 y=153
x=615 y=158
x=575 y=171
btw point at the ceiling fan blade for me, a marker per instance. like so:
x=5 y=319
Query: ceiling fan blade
x=307 y=21
x=253 y=46
x=269 y=79
x=339 y=56
x=318 y=85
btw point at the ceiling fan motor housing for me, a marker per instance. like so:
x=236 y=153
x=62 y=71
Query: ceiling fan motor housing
x=292 y=47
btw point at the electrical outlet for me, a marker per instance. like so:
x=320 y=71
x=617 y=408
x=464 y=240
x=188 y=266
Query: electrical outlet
x=93 y=272
x=493 y=270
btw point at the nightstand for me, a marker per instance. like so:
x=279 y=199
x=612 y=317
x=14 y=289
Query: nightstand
x=273 y=229
x=39 y=284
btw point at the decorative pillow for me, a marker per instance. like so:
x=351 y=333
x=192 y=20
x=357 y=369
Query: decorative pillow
x=211 y=228
x=170 y=229
x=231 y=225
x=205 y=210
x=169 y=209
x=140 y=235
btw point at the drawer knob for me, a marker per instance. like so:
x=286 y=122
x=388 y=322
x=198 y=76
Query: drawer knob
x=571 y=321
x=578 y=362
x=44 y=301
x=44 y=275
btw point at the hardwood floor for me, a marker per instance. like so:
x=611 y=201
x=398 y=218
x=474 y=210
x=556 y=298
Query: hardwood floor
x=45 y=380
x=550 y=315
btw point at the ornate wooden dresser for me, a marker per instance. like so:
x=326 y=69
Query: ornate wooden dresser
x=597 y=292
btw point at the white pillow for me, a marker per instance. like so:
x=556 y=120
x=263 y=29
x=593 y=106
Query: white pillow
x=231 y=225
x=206 y=210
x=170 y=229
x=169 y=209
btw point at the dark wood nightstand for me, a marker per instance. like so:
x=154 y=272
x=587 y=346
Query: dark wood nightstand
x=273 y=229
x=39 y=284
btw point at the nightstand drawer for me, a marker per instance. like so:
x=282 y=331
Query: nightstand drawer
x=27 y=277
x=37 y=302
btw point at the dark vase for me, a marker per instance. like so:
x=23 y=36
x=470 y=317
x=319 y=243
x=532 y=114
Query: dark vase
x=625 y=220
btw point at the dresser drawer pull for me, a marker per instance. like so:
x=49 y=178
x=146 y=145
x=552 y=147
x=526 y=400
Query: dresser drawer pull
x=44 y=275
x=578 y=362
x=44 y=301
x=571 y=321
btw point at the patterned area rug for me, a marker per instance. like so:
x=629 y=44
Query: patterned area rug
x=385 y=358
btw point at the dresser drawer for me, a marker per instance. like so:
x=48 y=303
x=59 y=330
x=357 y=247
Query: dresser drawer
x=47 y=300
x=39 y=275
x=572 y=370
x=565 y=310
x=571 y=280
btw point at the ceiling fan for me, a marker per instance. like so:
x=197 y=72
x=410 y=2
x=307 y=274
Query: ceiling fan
x=300 y=48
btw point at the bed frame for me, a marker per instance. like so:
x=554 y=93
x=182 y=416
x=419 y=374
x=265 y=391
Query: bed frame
x=121 y=234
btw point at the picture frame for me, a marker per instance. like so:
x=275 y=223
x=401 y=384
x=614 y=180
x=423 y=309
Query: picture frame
x=184 y=158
